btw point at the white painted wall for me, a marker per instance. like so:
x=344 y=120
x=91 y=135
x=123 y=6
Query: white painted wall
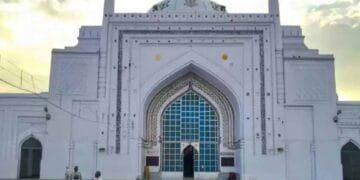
x=21 y=117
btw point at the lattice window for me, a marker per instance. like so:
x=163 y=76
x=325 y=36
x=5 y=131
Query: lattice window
x=190 y=118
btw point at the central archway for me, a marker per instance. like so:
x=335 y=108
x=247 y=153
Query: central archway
x=190 y=118
x=196 y=84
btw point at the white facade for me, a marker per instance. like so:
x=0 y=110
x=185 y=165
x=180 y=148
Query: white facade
x=277 y=107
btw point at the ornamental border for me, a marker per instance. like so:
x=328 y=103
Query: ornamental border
x=190 y=82
x=194 y=32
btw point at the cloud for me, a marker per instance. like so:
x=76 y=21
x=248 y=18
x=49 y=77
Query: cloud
x=30 y=29
x=5 y=32
x=9 y=1
x=51 y=7
x=337 y=13
x=60 y=9
x=56 y=8
x=334 y=28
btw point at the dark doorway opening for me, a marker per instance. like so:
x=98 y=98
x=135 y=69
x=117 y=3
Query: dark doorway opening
x=189 y=162
x=350 y=159
x=30 y=161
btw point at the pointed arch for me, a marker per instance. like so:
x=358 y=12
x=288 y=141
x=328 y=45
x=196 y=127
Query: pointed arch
x=31 y=142
x=210 y=72
x=350 y=160
x=30 y=158
x=189 y=147
x=189 y=161
x=197 y=84
x=350 y=146
x=350 y=142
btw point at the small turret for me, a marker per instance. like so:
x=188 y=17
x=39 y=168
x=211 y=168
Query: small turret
x=109 y=7
x=274 y=7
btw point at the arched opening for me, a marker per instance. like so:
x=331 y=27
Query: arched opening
x=350 y=160
x=190 y=118
x=31 y=151
x=189 y=161
x=204 y=89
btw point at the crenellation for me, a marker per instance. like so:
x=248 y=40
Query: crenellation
x=198 y=17
x=291 y=31
x=348 y=114
x=89 y=32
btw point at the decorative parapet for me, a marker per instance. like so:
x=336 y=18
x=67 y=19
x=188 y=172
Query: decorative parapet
x=88 y=41
x=188 y=6
x=203 y=17
x=292 y=31
x=348 y=114
x=295 y=47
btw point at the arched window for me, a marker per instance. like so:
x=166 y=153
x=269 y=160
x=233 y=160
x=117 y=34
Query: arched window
x=190 y=118
x=350 y=159
x=190 y=83
x=31 y=151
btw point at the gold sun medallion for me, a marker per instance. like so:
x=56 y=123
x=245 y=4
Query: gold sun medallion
x=158 y=57
x=225 y=56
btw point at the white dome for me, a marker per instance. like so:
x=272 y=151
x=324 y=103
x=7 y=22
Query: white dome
x=192 y=6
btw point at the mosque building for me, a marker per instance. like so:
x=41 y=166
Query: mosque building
x=184 y=90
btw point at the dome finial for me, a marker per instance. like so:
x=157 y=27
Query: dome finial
x=190 y=3
x=188 y=6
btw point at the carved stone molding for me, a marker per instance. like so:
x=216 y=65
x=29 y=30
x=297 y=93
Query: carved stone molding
x=188 y=81
x=122 y=32
x=160 y=6
x=190 y=3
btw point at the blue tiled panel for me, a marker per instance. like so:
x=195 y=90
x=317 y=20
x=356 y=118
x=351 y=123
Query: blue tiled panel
x=190 y=118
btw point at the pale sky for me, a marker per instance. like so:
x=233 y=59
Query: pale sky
x=29 y=29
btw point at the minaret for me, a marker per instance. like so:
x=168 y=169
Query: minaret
x=274 y=7
x=109 y=7
x=103 y=141
x=274 y=11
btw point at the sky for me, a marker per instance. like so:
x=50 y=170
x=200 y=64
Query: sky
x=29 y=29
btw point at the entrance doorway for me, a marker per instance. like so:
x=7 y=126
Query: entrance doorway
x=190 y=118
x=30 y=160
x=188 y=165
x=350 y=159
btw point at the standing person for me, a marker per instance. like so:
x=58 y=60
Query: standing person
x=76 y=175
x=68 y=173
x=97 y=175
